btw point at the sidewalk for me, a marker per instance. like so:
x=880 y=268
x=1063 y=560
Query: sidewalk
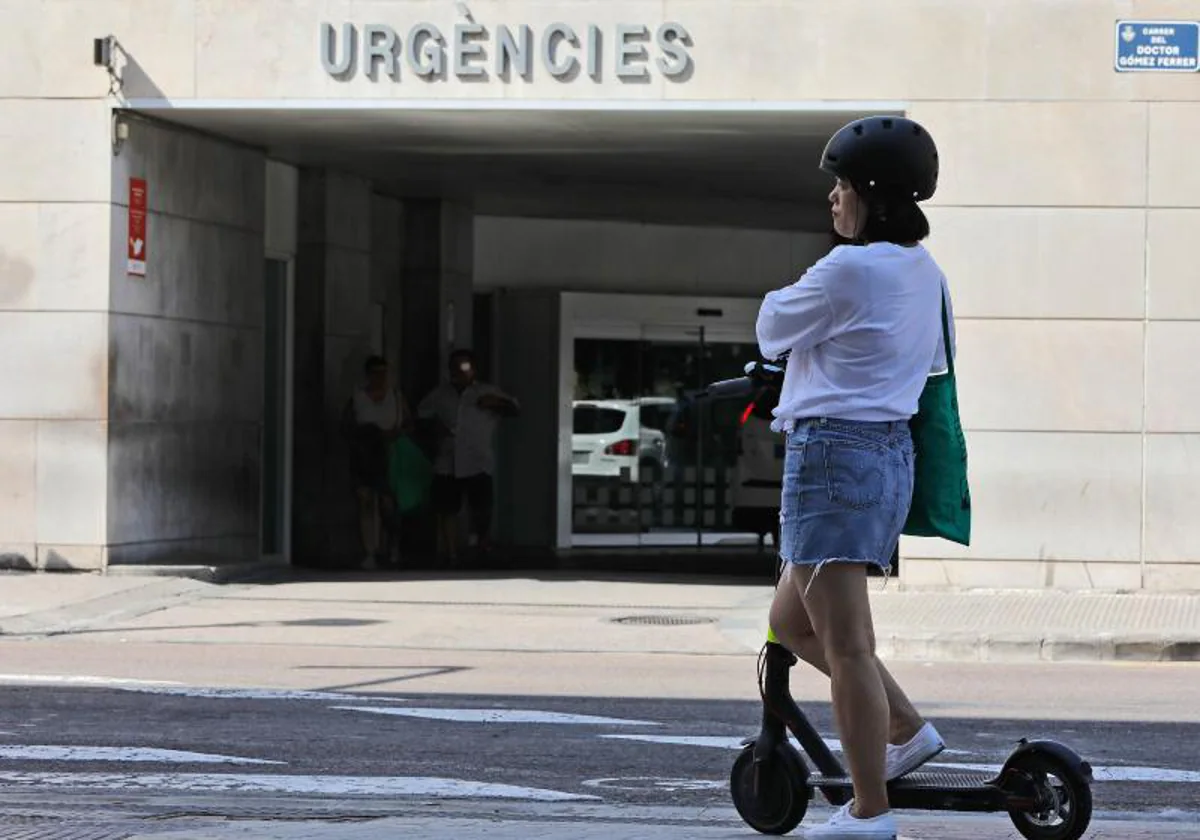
x=564 y=612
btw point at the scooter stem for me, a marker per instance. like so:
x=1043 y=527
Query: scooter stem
x=780 y=710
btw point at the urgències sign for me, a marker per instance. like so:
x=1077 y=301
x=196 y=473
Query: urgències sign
x=473 y=51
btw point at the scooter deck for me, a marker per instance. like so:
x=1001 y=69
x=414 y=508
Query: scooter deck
x=938 y=791
x=948 y=780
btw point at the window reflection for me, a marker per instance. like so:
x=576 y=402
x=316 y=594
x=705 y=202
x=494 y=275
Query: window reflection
x=652 y=468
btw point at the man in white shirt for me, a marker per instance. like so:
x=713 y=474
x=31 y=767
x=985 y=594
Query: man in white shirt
x=464 y=412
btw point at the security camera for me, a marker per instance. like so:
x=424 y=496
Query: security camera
x=102 y=51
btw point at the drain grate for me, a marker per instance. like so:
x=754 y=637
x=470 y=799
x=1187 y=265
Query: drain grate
x=665 y=620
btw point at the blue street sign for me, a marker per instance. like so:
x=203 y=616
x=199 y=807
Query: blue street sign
x=1158 y=46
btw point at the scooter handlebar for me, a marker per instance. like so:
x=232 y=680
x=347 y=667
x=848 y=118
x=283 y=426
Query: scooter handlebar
x=758 y=375
x=727 y=388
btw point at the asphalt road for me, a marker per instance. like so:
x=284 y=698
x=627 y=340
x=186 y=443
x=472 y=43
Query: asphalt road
x=235 y=750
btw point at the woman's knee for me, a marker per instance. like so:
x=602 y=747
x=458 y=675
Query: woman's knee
x=837 y=600
x=789 y=619
x=849 y=642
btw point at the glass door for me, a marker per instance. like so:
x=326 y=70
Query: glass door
x=700 y=493
x=650 y=465
x=615 y=453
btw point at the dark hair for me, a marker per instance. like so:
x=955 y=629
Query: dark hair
x=462 y=354
x=895 y=220
x=374 y=363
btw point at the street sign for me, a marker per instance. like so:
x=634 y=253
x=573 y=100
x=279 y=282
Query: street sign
x=135 y=257
x=1157 y=46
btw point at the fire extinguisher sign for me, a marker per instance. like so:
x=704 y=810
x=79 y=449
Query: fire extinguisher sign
x=136 y=246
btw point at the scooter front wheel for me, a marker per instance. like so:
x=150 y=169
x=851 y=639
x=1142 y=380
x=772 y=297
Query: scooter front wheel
x=772 y=796
x=1064 y=798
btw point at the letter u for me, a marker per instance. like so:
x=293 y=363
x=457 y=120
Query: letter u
x=329 y=57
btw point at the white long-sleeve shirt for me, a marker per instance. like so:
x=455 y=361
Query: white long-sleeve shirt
x=863 y=327
x=467 y=448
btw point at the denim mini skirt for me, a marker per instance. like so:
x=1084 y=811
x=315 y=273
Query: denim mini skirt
x=847 y=487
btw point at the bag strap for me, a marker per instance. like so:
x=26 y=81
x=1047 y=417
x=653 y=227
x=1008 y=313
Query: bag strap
x=946 y=336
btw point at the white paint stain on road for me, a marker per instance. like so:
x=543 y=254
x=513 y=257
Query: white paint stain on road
x=499 y=716
x=311 y=785
x=40 y=752
x=657 y=783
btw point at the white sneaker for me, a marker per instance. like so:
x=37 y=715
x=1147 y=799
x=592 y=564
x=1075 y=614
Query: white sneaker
x=845 y=826
x=904 y=758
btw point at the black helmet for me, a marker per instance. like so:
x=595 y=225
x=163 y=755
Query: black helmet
x=892 y=157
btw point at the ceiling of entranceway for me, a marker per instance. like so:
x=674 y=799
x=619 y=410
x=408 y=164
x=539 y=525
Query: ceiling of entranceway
x=744 y=169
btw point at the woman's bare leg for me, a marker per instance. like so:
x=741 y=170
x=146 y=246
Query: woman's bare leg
x=835 y=597
x=792 y=626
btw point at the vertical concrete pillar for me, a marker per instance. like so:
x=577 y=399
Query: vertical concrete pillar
x=386 y=241
x=437 y=288
x=332 y=338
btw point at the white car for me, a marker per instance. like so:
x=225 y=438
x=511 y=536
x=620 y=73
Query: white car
x=620 y=439
x=758 y=473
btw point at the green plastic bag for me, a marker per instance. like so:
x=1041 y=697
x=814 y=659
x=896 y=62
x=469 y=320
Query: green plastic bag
x=410 y=474
x=941 y=501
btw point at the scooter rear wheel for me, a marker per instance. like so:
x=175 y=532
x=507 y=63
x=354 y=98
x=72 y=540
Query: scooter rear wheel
x=773 y=797
x=1066 y=797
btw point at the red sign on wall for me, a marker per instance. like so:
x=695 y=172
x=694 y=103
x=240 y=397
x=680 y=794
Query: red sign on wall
x=136 y=250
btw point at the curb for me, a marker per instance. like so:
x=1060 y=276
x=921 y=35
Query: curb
x=207 y=572
x=1016 y=647
x=924 y=646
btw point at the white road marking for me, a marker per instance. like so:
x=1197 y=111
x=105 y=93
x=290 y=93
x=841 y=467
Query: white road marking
x=717 y=742
x=31 y=752
x=178 y=689
x=728 y=742
x=313 y=785
x=499 y=716
x=1115 y=773
x=258 y=694
x=77 y=679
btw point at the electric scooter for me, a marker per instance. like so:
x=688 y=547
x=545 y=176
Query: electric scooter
x=1044 y=786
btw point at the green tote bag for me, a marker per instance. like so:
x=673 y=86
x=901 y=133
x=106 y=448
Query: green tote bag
x=409 y=473
x=941 y=501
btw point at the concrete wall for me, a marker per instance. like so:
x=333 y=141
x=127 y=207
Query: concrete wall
x=604 y=256
x=1075 y=294
x=185 y=362
x=55 y=226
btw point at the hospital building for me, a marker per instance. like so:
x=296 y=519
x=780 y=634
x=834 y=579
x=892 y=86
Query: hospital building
x=212 y=211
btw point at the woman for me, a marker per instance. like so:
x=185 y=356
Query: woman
x=376 y=415
x=862 y=331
